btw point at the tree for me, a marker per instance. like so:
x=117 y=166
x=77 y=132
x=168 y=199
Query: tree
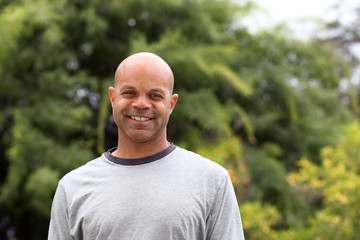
x=345 y=36
x=336 y=183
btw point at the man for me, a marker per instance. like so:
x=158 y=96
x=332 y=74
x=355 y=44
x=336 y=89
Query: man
x=146 y=188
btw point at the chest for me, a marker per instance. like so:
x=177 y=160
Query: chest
x=140 y=207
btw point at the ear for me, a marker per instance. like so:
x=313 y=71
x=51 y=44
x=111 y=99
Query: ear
x=111 y=95
x=173 y=101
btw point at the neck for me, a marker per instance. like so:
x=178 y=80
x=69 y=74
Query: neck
x=130 y=149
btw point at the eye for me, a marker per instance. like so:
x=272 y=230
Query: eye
x=156 y=96
x=128 y=93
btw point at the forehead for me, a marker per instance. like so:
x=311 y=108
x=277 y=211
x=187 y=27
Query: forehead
x=144 y=73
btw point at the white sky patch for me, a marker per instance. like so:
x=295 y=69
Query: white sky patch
x=304 y=18
x=301 y=16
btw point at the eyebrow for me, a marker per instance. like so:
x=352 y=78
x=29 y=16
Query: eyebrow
x=127 y=87
x=159 y=90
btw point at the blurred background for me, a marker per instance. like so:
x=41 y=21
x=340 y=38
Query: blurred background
x=268 y=89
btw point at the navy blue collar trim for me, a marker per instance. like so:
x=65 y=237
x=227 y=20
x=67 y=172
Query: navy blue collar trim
x=138 y=161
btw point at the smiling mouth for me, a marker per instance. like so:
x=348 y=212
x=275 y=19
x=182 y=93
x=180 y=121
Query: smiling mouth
x=140 y=119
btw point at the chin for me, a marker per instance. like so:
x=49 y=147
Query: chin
x=141 y=139
x=145 y=139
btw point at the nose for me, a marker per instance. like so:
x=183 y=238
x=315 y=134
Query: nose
x=141 y=102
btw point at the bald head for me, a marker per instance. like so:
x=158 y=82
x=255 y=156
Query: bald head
x=145 y=61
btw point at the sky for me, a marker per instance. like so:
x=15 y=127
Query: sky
x=299 y=15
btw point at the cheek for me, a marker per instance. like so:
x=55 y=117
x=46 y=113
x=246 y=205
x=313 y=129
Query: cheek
x=115 y=116
x=165 y=112
x=117 y=109
x=162 y=108
x=119 y=105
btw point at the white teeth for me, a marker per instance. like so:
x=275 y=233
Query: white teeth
x=140 y=119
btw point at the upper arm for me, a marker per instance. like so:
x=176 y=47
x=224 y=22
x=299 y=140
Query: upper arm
x=59 y=222
x=224 y=221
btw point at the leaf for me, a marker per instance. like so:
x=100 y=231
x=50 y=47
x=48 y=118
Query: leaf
x=232 y=78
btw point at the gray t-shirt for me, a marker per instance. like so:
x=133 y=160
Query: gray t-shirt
x=175 y=194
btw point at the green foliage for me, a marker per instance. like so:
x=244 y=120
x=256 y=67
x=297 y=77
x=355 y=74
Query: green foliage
x=73 y=118
x=336 y=182
x=104 y=112
x=36 y=163
x=227 y=74
x=39 y=189
x=293 y=95
x=258 y=220
x=267 y=174
x=198 y=106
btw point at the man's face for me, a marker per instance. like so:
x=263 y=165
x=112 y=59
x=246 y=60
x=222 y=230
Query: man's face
x=142 y=102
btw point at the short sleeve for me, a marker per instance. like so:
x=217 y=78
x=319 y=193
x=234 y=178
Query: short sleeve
x=59 y=222
x=224 y=220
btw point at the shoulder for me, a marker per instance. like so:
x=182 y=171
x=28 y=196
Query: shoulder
x=196 y=162
x=196 y=158
x=85 y=171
